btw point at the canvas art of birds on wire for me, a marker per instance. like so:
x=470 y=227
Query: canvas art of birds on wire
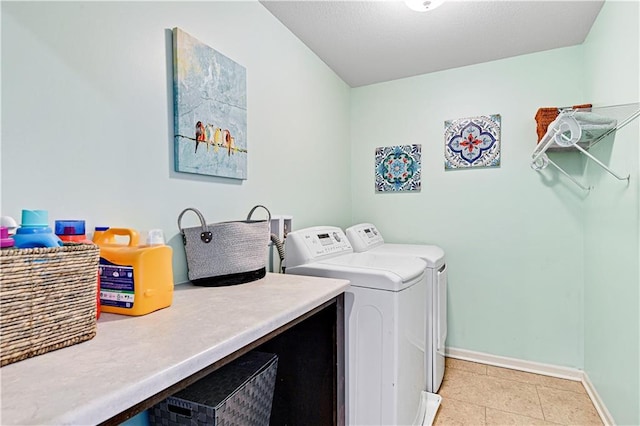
x=215 y=137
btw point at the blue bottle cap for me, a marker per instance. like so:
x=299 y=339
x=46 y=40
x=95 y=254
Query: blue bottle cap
x=69 y=227
x=34 y=218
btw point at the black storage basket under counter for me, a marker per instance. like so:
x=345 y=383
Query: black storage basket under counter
x=239 y=393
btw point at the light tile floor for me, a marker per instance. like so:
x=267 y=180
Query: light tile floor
x=479 y=394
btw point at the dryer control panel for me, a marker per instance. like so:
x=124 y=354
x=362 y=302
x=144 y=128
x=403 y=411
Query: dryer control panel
x=364 y=236
x=312 y=244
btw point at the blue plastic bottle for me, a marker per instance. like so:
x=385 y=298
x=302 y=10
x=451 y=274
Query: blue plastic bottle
x=34 y=231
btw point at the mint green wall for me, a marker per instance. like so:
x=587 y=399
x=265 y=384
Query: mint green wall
x=513 y=243
x=87 y=117
x=539 y=270
x=86 y=133
x=612 y=217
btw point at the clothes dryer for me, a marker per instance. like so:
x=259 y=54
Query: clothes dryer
x=385 y=308
x=365 y=237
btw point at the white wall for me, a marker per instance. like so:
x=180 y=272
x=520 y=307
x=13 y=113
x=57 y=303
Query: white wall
x=87 y=127
x=612 y=217
x=513 y=240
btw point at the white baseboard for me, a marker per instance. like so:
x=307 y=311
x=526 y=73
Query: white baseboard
x=605 y=415
x=537 y=368
x=517 y=364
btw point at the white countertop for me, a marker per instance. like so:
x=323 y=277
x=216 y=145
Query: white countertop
x=133 y=358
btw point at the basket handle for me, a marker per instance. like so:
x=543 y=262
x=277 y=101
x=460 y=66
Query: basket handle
x=205 y=235
x=254 y=209
x=131 y=233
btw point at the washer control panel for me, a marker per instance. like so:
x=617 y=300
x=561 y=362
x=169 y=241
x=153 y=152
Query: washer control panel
x=311 y=244
x=364 y=236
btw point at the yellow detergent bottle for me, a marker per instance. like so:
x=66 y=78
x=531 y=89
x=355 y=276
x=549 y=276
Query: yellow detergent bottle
x=134 y=280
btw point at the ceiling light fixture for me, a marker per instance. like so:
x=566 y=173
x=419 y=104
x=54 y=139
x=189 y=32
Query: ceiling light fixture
x=423 y=5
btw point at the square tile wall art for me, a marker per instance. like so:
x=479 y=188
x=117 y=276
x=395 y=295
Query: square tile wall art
x=398 y=168
x=472 y=142
x=210 y=110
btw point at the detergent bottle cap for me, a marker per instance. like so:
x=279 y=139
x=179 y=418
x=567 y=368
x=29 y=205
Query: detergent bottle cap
x=155 y=237
x=9 y=223
x=35 y=218
x=70 y=227
x=5 y=239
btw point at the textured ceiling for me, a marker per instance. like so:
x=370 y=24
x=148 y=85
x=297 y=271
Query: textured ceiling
x=368 y=42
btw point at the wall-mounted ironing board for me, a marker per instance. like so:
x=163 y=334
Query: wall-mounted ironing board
x=577 y=130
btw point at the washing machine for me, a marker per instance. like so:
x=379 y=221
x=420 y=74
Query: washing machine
x=385 y=309
x=365 y=238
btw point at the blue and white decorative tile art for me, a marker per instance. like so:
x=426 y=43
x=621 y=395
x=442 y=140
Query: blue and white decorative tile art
x=472 y=142
x=210 y=110
x=398 y=168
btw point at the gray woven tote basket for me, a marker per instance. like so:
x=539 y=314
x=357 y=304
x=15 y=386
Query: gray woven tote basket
x=226 y=253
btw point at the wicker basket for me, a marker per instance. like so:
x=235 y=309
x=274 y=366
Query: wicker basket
x=545 y=116
x=47 y=299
